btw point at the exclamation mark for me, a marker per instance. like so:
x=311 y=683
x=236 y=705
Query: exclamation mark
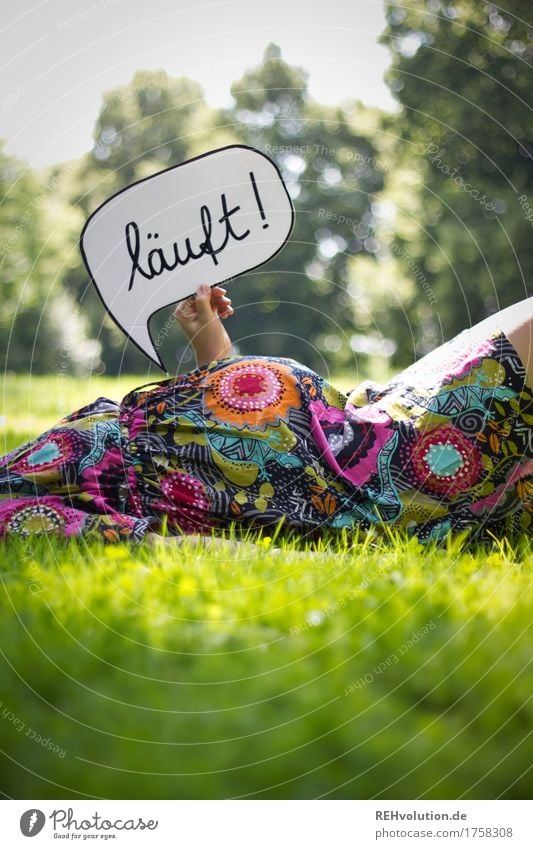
x=258 y=200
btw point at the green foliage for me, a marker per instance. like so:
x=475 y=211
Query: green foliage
x=327 y=164
x=409 y=226
x=460 y=72
x=34 y=303
x=148 y=125
x=298 y=304
x=152 y=123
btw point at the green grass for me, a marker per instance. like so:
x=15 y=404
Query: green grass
x=31 y=404
x=379 y=670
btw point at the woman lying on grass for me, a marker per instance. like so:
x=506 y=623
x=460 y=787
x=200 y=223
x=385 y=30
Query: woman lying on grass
x=445 y=446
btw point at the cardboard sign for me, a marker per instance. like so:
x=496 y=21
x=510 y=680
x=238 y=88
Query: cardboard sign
x=204 y=221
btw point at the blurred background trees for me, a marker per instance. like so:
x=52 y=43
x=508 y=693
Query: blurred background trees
x=41 y=322
x=409 y=226
x=461 y=73
x=299 y=299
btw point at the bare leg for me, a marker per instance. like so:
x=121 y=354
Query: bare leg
x=515 y=321
x=517 y=324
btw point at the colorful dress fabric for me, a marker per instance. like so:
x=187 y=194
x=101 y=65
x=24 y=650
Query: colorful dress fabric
x=445 y=446
x=70 y=480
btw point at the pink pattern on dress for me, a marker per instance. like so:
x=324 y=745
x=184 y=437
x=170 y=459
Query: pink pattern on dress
x=184 y=501
x=364 y=461
x=135 y=421
x=47 y=511
x=92 y=482
x=471 y=358
x=456 y=363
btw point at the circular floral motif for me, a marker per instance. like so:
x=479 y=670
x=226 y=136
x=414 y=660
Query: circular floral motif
x=251 y=389
x=183 y=488
x=36 y=518
x=267 y=390
x=184 y=501
x=58 y=447
x=444 y=461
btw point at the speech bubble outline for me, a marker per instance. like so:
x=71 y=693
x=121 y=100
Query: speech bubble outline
x=268 y=207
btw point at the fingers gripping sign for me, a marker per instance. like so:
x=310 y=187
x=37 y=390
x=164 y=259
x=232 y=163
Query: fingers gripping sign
x=199 y=319
x=202 y=222
x=206 y=304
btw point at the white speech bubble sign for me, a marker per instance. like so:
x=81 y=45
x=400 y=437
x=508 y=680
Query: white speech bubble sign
x=204 y=221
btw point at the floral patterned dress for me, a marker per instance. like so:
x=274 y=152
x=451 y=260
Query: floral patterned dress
x=447 y=445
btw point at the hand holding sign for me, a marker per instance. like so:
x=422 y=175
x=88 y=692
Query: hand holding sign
x=199 y=320
x=204 y=221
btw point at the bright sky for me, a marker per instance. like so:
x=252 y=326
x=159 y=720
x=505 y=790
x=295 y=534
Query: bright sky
x=59 y=56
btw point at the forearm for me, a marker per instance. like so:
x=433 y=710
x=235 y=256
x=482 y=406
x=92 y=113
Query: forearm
x=201 y=319
x=209 y=346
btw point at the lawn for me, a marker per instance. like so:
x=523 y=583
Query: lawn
x=359 y=669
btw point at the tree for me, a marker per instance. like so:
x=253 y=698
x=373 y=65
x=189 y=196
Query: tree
x=299 y=299
x=150 y=124
x=460 y=72
x=298 y=304
x=33 y=332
